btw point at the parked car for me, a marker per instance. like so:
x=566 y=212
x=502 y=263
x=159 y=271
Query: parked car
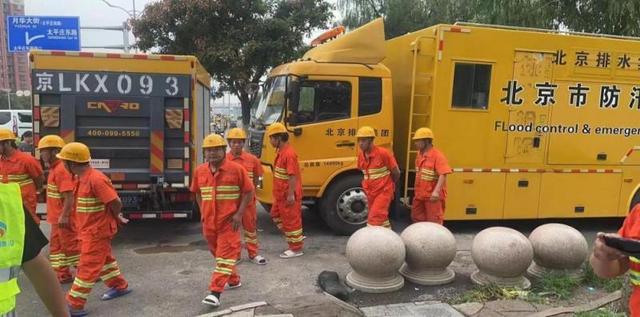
x=19 y=121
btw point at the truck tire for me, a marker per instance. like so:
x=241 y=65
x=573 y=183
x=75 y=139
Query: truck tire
x=344 y=205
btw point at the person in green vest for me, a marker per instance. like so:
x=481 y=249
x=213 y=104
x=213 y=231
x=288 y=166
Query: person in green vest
x=20 y=244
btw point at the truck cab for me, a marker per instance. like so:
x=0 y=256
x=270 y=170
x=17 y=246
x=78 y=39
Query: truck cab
x=323 y=99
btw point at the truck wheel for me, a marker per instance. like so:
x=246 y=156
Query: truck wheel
x=344 y=205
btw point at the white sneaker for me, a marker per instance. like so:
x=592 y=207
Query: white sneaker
x=211 y=300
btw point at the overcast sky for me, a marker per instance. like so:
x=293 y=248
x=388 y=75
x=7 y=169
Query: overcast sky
x=91 y=13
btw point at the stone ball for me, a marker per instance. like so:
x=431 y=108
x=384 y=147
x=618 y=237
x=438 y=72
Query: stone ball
x=558 y=246
x=375 y=251
x=428 y=245
x=501 y=252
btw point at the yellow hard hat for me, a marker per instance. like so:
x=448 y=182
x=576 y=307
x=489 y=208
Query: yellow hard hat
x=50 y=141
x=6 y=134
x=366 y=132
x=276 y=128
x=423 y=133
x=213 y=140
x=236 y=134
x=75 y=152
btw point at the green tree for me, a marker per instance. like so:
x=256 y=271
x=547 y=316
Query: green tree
x=601 y=16
x=402 y=16
x=237 y=41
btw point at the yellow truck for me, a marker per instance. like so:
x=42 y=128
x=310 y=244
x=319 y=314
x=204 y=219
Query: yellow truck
x=535 y=123
x=143 y=117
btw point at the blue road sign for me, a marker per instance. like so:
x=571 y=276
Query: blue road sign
x=43 y=33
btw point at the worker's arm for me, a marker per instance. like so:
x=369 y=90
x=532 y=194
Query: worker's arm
x=39 y=180
x=237 y=217
x=395 y=174
x=291 y=194
x=67 y=206
x=44 y=281
x=115 y=207
x=442 y=179
x=199 y=200
x=607 y=262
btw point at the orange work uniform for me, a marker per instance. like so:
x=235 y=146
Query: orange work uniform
x=288 y=218
x=221 y=192
x=64 y=250
x=429 y=166
x=631 y=230
x=96 y=227
x=254 y=169
x=23 y=169
x=378 y=184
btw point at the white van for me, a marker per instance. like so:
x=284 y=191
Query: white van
x=19 y=121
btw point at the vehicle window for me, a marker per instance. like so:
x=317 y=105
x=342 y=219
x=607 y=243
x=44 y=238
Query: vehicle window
x=471 y=86
x=370 y=96
x=24 y=117
x=323 y=101
x=5 y=117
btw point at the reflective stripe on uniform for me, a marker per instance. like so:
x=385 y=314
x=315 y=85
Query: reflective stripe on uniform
x=89 y=205
x=226 y=261
x=84 y=284
x=280 y=173
x=21 y=179
x=376 y=173
x=428 y=174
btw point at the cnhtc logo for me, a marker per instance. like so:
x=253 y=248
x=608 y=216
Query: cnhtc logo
x=3 y=229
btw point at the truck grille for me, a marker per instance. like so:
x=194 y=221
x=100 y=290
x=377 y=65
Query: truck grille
x=255 y=142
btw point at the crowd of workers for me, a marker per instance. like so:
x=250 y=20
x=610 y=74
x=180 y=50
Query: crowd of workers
x=84 y=210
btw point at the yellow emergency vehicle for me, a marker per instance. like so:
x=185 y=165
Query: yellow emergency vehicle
x=143 y=116
x=535 y=123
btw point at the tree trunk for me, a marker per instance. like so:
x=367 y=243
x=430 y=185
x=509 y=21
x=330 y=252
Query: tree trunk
x=245 y=103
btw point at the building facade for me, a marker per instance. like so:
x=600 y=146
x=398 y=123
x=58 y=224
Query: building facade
x=14 y=67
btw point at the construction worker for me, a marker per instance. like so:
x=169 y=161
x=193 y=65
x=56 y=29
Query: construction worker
x=98 y=214
x=64 y=251
x=22 y=242
x=236 y=138
x=431 y=179
x=381 y=172
x=286 y=211
x=223 y=190
x=608 y=262
x=19 y=167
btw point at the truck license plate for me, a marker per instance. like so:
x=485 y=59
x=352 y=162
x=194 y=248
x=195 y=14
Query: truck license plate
x=130 y=201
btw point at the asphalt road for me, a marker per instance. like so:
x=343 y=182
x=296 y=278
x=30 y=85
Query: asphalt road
x=169 y=266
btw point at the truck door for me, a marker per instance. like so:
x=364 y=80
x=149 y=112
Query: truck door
x=325 y=122
x=532 y=89
x=532 y=94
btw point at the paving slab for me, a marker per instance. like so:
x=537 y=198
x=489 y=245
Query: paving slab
x=411 y=310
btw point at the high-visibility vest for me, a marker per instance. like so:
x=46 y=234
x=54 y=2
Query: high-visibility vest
x=11 y=245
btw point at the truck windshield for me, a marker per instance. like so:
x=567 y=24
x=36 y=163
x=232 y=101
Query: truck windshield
x=271 y=100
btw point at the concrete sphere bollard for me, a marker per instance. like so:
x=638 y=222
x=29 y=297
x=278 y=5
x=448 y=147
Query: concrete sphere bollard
x=375 y=255
x=430 y=249
x=557 y=248
x=502 y=256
